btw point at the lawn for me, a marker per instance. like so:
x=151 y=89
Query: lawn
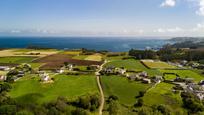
x=80 y=57
x=28 y=90
x=71 y=52
x=158 y=65
x=95 y=57
x=132 y=64
x=185 y=74
x=16 y=59
x=3 y=72
x=36 y=65
x=124 y=89
x=170 y=77
x=162 y=94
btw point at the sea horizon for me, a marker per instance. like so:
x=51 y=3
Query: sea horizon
x=97 y=43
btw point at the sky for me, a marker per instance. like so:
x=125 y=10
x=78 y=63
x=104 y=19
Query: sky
x=102 y=17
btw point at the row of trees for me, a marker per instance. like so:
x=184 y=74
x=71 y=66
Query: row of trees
x=168 y=53
x=82 y=106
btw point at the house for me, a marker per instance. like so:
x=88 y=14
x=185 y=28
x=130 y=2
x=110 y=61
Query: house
x=70 y=67
x=145 y=80
x=196 y=90
x=121 y=71
x=157 y=79
x=201 y=83
x=133 y=77
x=45 y=77
x=109 y=70
x=200 y=67
x=2 y=78
x=184 y=62
x=4 y=68
x=60 y=70
x=143 y=74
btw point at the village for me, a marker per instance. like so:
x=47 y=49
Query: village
x=109 y=72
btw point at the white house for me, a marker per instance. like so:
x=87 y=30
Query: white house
x=145 y=80
x=44 y=77
x=120 y=71
x=2 y=78
x=4 y=68
x=60 y=70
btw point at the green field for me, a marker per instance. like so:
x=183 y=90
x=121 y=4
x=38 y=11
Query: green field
x=35 y=65
x=185 y=74
x=95 y=57
x=124 y=89
x=133 y=65
x=16 y=59
x=80 y=57
x=158 y=65
x=170 y=77
x=162 y=94
x=28 y=90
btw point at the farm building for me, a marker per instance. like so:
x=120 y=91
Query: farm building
x=147 y=81
x=143 y=74
x=120 y=71
x=4 y=68
x=44 y=77
x=2 y=78
x=157 y=79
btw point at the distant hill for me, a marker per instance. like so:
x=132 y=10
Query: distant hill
x=184 y=39
x=188 y=42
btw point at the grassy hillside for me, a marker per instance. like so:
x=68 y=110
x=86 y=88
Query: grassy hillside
x=133 y=65
x=162 y=94
x=185 y=74
x=15 y=59
x=30 y=90
x=124 y=89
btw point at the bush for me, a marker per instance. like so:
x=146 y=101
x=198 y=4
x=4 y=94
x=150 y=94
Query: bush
x=8 y=110
x=139 y=103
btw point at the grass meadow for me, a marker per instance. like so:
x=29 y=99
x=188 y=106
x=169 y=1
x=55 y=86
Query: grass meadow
x=30 y=90
x=162 y=94
x=132 y=64
x=124 y=89
x=16 y=59
x=185 y=74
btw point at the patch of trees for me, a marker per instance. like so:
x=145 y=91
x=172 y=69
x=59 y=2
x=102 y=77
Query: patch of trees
x=143 y=54
x=154 y=110
x=92 y=51
x=113 y=105
x=115 y=54
x=82 y=106
x=191 y=103
x=35 y=47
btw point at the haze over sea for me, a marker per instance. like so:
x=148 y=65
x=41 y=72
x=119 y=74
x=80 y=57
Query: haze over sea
x=98 y=43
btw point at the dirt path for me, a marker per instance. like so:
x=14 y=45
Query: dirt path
x=102 y=95
x=100 y=88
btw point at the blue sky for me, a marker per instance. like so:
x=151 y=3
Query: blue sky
x=102 y=17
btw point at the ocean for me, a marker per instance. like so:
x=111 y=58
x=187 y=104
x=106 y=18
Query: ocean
x=114 y=44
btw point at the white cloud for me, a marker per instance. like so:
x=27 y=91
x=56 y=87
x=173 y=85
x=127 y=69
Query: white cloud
x=160 y=30
x=200 y=11
x=169 y=30
x=15 y=31
x=199 y=28
x=168 y=3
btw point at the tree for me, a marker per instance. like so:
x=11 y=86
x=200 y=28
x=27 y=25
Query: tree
x=5 y=87
x=139 y=103
x=114 y=108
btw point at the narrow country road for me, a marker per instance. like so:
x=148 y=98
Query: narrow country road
x=102 y=95
x=100 y=88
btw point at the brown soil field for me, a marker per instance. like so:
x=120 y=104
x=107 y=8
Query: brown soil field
x=57 y=60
